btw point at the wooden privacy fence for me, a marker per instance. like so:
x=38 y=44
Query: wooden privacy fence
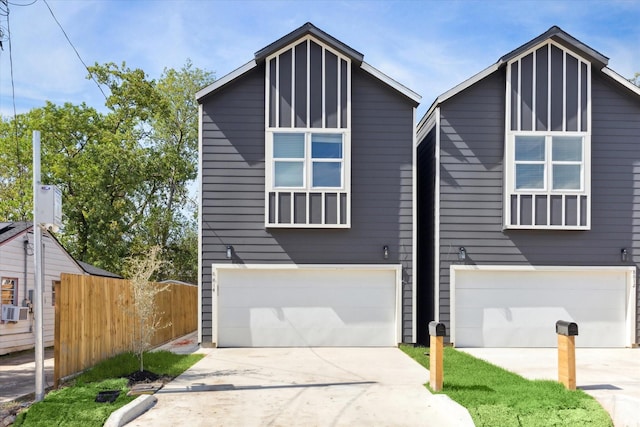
x=94 y=320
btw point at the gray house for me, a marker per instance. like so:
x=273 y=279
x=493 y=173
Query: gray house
x=307 y=213
x=528 y=200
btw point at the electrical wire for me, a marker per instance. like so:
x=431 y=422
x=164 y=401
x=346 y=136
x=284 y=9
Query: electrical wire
x=74 y=49
x=18 y=4
x=21 y=167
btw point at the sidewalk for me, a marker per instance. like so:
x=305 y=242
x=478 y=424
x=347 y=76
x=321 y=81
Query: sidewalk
x=18 y=374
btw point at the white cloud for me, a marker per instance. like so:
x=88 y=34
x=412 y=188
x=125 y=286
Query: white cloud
x=427 y=46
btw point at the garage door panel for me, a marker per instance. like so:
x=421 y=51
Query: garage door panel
x=519 y=308
x=315 y=307
x=604 y=299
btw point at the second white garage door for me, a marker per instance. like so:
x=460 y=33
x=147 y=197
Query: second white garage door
x=307 y=306
x=518 y=307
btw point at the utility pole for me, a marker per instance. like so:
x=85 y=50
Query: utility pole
x=37 y=271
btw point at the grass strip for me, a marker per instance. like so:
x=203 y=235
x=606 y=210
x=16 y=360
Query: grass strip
x=497 y=397
x=74 y=405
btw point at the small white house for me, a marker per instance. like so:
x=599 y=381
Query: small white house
x=17 y=321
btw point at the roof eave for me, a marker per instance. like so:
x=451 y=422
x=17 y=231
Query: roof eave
x=556 y=33
x=621 y=80
x=391 y=82
x=457 y=89
x=302 y=31
x=213 y=87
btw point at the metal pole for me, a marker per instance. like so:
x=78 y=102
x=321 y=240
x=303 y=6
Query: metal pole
x=37 y=271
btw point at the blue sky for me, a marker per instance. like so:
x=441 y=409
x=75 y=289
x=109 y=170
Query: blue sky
x=429 y=46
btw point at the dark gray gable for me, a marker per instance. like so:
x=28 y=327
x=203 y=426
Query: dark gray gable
x=557 y=34
x=307 y=29
x=311 y=29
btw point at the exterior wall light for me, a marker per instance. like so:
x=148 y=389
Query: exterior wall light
x=385 y=251
x=624 y=255
x=229 y=251
x=462 y=253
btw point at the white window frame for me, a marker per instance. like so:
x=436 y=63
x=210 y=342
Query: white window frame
x=308 y=131
x=548 y=163
x=509 y=153
x=14 y=292
x=308 y=160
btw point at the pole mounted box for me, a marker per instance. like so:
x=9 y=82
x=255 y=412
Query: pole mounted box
x=49 y=207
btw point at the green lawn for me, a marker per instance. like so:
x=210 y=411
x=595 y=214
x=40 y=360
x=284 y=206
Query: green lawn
x=496 y=397
x=74 y=405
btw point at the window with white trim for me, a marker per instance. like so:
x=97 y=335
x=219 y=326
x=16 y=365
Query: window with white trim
x=307 y=171
x=9 y=291
x=548 y=152
x=308 y=160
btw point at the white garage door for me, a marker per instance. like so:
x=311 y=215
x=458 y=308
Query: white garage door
x=519 y=308
x=295 y=307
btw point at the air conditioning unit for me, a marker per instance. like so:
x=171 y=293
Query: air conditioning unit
x=13 y=313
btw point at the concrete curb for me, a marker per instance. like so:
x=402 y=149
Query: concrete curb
x=454 y=411
x=131 y=411
x=622 y=409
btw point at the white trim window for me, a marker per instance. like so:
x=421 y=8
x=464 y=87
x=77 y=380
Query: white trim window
x=548 y=140
x=9 y=291
x=309 y=160
x=553 y=163
x=307 y=139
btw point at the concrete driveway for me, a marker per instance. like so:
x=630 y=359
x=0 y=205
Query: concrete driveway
x=611 y=375
x=303 y=386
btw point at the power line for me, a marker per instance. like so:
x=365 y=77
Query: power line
x=19 y=4
x=75 y=50
x=21 y=167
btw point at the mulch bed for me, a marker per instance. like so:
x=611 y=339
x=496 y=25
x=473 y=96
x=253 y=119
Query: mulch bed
x=141 y=377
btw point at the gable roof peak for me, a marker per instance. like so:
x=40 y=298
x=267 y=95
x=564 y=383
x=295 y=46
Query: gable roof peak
x=565 y=39
x=309 y=29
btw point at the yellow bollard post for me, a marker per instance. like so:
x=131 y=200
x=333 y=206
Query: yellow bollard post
x=437 y=331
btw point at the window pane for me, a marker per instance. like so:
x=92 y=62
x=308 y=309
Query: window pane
x=567 y=149
x=326 y=146
x=289 y=174
x=288 y=145
x=327 y=174
x=530 y=148
x=8 y=288
x=566 y=177
x=530 y=177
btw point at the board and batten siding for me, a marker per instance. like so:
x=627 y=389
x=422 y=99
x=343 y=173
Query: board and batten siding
x=233 y=152
x=471 y=186
x=20 y=335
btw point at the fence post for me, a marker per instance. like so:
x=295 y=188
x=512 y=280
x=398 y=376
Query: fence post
x=437 y=331
x=567 y=332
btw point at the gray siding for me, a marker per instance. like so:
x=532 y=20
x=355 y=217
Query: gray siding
x=471 y=187
x=233 y=187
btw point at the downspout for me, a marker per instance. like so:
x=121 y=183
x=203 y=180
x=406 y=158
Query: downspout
x=26 y=249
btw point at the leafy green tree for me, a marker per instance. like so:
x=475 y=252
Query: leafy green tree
x=636 y=79
x=124 y=173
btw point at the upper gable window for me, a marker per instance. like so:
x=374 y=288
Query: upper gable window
x=548 y=140
x=308 y=93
